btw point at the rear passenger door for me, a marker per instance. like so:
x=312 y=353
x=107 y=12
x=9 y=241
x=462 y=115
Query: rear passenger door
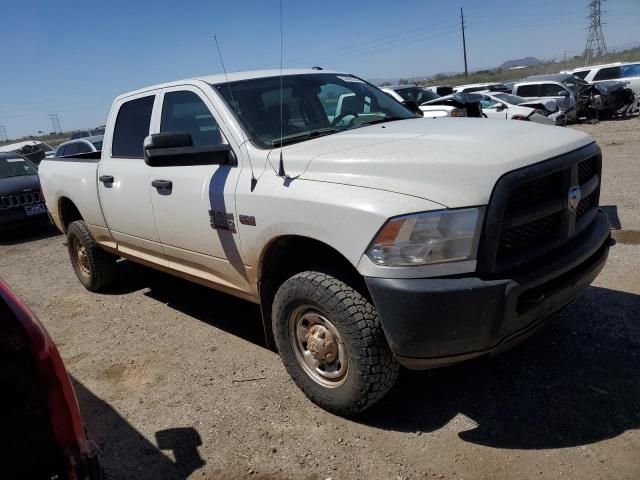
x=123 y=180
x=195 y=208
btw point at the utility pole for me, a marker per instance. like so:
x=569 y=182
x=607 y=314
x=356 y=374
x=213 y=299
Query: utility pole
x=55 y=122
x=464 y=45
x=595 y=46
x=3 y=134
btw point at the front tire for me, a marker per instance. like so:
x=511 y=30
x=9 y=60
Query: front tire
x=94 y=267
x=331 y=343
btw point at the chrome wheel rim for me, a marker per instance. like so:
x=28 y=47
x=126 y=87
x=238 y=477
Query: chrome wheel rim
x=82 y=259
x=318 y=347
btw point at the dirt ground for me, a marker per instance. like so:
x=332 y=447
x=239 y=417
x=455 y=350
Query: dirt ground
x=174 y=380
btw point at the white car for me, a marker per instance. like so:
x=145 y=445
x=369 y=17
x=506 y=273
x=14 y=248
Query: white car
x=30 y=145
x=409 y=93
x=626 y=72
x=369 y=238
x=80 y=146
x=511 y=107
x=481 y=87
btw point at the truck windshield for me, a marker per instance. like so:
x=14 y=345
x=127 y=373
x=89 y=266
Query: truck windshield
x=16 y=167
x=312 y=105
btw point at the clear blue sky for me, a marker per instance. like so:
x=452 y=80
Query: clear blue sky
x=73 y=57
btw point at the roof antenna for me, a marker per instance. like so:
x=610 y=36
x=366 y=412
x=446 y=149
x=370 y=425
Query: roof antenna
x=281 y=172
x=254 y=180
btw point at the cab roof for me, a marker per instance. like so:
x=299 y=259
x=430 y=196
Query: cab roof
x=221 y=78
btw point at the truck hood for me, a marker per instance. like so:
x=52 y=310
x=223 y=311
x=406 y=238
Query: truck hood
x=451 y=161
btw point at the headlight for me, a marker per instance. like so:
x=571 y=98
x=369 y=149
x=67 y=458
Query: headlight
x=427 y=238
x=459 y=112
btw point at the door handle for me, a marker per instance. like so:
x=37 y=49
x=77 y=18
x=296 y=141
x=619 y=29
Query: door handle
x=162 y=184
x=106 y=178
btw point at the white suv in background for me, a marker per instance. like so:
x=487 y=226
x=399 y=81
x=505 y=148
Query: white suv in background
x=625 y=72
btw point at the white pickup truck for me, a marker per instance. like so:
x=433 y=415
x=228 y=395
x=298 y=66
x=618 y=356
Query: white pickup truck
x=369 y=237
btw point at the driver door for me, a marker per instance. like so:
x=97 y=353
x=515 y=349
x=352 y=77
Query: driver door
x=194 y=205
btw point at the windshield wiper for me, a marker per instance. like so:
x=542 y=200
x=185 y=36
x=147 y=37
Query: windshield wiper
x=288 y=139
x=383 y=120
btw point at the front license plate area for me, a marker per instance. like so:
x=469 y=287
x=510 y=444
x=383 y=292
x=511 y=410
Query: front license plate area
x=36 y=209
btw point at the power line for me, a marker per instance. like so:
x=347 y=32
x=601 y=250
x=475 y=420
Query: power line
x=464 y=44
x=595 y=46
x=55 y=122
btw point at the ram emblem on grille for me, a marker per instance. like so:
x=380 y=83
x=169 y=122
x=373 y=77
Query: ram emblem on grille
x=575 y=195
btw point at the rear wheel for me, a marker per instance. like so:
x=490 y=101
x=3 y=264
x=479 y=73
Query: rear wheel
x=94 y=267
x=332 y=344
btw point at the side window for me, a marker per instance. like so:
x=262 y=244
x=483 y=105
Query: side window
x=60 y=151
x=83 y=148
x=551 y=90
x=629 y=71
x=527 y=90
x=488 y=103
x=132 y=126
x=71 y=149
x=609 y=73
x=581 y=74
x=186 y=112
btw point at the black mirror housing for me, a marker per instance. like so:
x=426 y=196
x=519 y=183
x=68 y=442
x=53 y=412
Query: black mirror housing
x=175 y=149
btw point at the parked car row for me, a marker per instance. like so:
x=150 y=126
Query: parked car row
x=596 y=92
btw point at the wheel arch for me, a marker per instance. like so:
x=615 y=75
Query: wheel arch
x=68 y=212
x=286 y=255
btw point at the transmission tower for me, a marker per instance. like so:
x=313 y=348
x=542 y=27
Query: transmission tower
x=3 y=134
x=55 y=122
x=595 y=46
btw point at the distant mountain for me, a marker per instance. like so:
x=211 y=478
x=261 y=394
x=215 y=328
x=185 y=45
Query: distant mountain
x=624 y=46
x=520 y=62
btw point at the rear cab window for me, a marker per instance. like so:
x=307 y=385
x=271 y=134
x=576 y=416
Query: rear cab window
x=551 y=90
x=131 y=128
x=527 y=91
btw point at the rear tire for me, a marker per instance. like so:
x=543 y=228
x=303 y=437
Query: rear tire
x=331 y=343
x=94 y=267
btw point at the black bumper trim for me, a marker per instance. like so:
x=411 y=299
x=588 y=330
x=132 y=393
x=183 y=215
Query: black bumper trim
x=438 y=321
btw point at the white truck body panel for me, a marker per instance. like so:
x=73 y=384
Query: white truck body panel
x=341 y=188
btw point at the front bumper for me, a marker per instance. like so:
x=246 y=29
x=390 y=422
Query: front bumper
x=14 y=218
x=432 y=322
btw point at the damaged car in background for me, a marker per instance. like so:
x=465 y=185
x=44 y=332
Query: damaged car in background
x=511 y=107
x=469 y=103
x=577 y=98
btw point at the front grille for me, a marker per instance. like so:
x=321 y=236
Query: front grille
x=20 y=199
x=530 y=212
x=527 y=235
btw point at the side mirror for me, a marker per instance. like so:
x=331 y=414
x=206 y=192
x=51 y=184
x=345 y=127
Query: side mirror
x=563 y=93
x=176 y=149
x=413 y=106
x=500 y=107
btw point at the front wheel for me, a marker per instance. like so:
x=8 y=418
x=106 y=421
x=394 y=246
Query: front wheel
x=331 y=343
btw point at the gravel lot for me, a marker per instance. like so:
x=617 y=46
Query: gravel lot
x=174 y=380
